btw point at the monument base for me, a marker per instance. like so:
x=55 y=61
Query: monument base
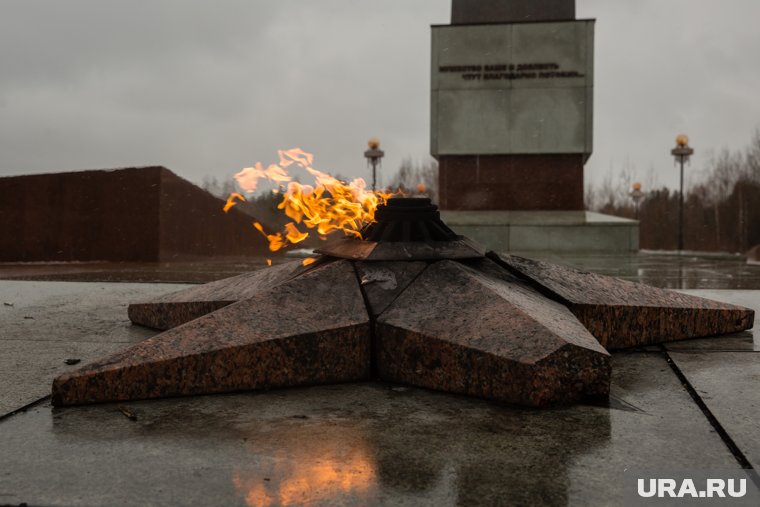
x=511 y=182
x=560 y=231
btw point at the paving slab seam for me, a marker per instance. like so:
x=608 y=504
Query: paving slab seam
x=708 y=351
x=727 y=440
x=24 y=408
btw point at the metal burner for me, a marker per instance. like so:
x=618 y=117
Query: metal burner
x=408 y=219
x=406 y=228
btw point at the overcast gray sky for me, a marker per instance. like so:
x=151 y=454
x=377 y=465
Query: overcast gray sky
x=206 y=88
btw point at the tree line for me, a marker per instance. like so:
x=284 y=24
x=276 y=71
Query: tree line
x=721 y=209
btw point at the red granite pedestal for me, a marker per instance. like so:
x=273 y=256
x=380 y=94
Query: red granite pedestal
x=511 y=182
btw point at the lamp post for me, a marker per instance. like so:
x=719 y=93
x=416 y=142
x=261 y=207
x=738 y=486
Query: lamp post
x=636 y=194
x=681 y=152
x=374 y=155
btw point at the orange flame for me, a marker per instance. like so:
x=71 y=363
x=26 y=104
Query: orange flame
x=293 y=234
x=231 y=201
x=328 y=205
x=275 y=240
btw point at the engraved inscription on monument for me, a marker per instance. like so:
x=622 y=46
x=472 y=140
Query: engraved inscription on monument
x=507 y=89
x=509 y=71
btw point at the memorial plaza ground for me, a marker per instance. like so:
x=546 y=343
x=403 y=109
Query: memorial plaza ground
x=683 y=406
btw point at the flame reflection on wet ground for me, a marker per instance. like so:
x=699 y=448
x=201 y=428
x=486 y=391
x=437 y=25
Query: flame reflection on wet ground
x=310 y=470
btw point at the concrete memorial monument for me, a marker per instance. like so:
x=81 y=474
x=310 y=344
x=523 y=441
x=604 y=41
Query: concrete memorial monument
x=511 y=126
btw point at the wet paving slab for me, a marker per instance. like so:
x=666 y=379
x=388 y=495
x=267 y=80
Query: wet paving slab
x=44 y=325
x=725 y=374
x=727 y=382
x=356 y=444
x=203 y=271
x=668 y=270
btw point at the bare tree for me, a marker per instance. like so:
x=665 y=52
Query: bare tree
x=413 y=177
x=613 y=193
x=591 y=197
x=210 y=184
x=605 y=197
x=752 y=158
x=721 y=203
x=725 y=169
x=219 y=189
x=651 y=180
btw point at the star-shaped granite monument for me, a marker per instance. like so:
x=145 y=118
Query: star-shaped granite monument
x=411 y=303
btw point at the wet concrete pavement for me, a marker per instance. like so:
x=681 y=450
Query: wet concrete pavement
x=660 y=269
x=687 y=405
x=666 y=269
x=43 y=324
x=356 y=444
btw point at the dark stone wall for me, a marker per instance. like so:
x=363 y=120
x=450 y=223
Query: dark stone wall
x=510 y=11
x=89 y=215
x=135 y=214
x=192 y=224
x=511 y=182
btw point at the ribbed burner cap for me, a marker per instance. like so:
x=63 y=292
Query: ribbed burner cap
x=408 y=219
x=406 y=228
